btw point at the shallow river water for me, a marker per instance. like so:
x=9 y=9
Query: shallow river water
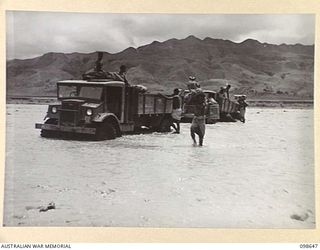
x=254 y=175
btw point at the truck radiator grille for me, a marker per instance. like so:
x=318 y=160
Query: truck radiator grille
x=70 y=113
x=68 y=117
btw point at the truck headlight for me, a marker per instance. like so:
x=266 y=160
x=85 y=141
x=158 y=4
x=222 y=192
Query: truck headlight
x=89 y=112
x=54 y=110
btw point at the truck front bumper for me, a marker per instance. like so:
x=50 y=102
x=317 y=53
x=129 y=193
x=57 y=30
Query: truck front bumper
x=59 y=128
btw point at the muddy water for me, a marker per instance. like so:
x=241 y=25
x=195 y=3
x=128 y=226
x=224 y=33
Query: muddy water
x=253 y=175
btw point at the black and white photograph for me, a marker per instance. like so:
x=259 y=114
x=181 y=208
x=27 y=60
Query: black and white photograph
x=159 y=120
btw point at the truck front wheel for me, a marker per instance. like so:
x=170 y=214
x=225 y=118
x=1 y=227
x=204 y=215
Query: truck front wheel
x=49 y=133
x=105 y=131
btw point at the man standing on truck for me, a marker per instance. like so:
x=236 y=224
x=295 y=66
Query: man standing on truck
x=192 y=83
x=227 y=91
x=121 y=75
x=197 y=98
x=176 y=109
x=221 y=95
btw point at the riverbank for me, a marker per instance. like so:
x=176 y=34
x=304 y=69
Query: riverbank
x=31 y=99
x=281 y=103
x=268 y=103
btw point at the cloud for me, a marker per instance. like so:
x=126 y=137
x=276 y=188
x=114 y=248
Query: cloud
x=31 y=34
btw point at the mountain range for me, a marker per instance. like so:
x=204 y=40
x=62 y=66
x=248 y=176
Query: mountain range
x=257 y=69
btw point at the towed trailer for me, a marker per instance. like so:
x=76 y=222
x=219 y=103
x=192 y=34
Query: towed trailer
x=226 y=106
x=229 y=110
x=104 y=109
x=212 y=113
x=218 y=109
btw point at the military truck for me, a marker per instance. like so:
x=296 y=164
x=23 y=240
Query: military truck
x=218 y=109
x=229 y=110
x=104 y=109
x=104 y=106
x=212 y=114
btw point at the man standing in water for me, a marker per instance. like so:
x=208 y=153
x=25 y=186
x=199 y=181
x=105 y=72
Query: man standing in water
x=197 y=99
x=242 y=108
x=176 y=109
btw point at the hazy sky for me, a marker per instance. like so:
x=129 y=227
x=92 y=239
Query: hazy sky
x=31 y=34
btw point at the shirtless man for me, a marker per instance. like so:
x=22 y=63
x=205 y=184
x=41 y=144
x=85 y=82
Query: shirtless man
x=197 y=98
x=176 y=109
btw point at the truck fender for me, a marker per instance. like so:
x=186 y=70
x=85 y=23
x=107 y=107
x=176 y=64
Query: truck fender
x=102 y=117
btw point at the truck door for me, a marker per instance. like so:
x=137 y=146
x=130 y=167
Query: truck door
x=114 y=100
x=132 y=103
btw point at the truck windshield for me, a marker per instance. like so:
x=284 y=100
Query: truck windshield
x=91 y=92
x=67 y=91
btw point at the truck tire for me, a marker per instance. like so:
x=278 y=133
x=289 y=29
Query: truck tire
x=49 y=133
x=165 y=125
x=105 y=131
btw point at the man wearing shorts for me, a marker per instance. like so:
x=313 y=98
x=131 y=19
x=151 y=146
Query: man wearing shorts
x=176 y=110
x=197 y=98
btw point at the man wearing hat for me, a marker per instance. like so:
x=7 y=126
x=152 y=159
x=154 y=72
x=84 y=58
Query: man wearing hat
x=192 y=84
x=121 y=75
x=197 y=98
